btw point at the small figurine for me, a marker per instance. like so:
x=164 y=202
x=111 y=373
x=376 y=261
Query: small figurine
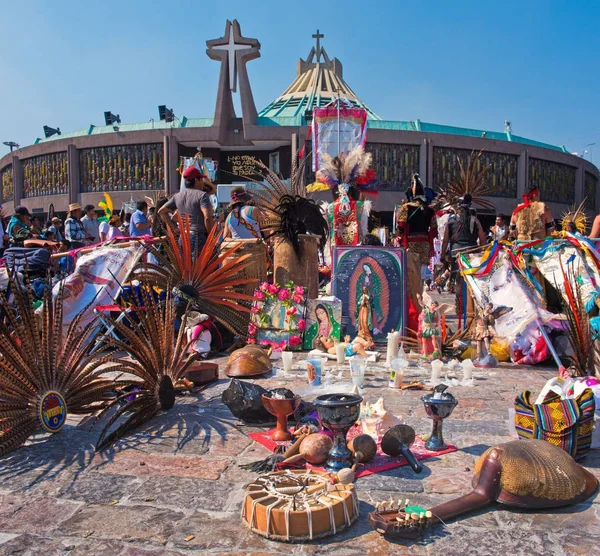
x=364 y=318
x=430 y=332
x=483 y=334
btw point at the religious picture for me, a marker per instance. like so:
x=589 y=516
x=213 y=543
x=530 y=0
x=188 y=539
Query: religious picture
x=370 y=282
x=323 y=317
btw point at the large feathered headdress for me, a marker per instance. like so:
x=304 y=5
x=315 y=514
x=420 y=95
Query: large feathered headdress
x=577 y=217
x=472 y=179
x=348 y=167
x=286 y=209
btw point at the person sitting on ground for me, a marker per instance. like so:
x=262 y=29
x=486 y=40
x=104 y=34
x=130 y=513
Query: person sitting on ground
x=243 y=221
x=140 y=223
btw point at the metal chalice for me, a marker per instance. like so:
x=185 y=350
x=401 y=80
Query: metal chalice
x=438 y=406
x=338 y=412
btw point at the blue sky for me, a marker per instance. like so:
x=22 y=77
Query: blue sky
x=466 y=63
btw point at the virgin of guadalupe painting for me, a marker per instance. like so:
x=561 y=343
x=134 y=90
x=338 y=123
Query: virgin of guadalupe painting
x=323 y=318
x=375 y=274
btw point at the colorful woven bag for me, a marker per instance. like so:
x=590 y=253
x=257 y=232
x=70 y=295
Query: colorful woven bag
x=567 y=423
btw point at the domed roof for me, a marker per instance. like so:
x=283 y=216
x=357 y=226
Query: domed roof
x=318 y=81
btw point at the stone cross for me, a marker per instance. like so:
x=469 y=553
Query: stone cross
x=318 y=36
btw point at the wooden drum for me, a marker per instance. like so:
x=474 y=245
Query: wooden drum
x=257 y=262
x=298 y=505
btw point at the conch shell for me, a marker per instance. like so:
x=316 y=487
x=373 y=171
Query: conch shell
x=376 y=419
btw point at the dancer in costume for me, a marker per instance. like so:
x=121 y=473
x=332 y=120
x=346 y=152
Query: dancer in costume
x=417 y=223
x=532 y=219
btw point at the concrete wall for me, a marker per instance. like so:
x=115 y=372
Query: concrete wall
x=253 y=137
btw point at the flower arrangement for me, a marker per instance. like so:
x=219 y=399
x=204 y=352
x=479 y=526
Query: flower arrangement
x=277 y=316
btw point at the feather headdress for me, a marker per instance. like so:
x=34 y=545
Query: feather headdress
x=348 y=167
x=287 y=210
x=577 y=217
x=472 y=179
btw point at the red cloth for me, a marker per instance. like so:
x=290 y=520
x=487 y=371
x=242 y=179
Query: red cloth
x=380 y=463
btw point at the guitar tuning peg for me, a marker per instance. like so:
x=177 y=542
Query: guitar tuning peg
x=428 y=514
x=414 y=517
x=399 y=504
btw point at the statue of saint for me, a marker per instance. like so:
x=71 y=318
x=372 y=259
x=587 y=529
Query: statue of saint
x=364 y=317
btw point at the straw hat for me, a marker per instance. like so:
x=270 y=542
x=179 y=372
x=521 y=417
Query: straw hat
x=74 y=206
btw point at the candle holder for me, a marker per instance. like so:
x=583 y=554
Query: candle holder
x=281 y=408
x=338 y=412
x=438 y=406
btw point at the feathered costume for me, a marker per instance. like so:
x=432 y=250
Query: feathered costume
x=347 y=174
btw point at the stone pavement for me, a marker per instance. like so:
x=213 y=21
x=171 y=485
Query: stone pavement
x=175 y=487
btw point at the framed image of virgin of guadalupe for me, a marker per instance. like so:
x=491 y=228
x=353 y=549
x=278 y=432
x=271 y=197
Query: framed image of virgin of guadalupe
x=323 y=318
x=382 y=271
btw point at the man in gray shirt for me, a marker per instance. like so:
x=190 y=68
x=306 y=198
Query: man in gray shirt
x=91 y=224
x=195 y=202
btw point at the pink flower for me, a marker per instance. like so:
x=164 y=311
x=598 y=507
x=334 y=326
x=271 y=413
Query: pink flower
x=251 y=341
x=291 y=312
x=255 y=309
x=299 y=290
x=295 y=341
x=298 y=299
x=301 y=325
x=259 y=295
x=280 y=347
x=273 y=289
x=284 y=294
x=265 y=343
x=252 y=329
x=264 y=287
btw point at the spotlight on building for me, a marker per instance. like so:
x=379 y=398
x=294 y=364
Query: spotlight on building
x=111 y=119
x=165 y=113
x=50 y=131
x=12 y=145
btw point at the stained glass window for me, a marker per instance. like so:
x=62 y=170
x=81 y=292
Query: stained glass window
x=502 y=173
x=394 y=164
x=555 y=181
x=46 y=174
x=590 y=186
x=122 y=168
x=6 y=178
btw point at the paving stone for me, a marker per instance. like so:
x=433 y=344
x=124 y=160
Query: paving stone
x=185 y=493
x=123 y=523
x=390 y=481
x=583 y=544
x=99 y=488
x=449 y=481
x=19 y=513
x=132 y=462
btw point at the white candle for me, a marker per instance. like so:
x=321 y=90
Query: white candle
x=436 y=370
x=287 y=358
x=390 y=349
x=340 y=352
x=467 y=366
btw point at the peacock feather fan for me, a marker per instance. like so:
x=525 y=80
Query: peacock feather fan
x=159 y=358
x=213 y=276
x=472 y=179
x=46 y=371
